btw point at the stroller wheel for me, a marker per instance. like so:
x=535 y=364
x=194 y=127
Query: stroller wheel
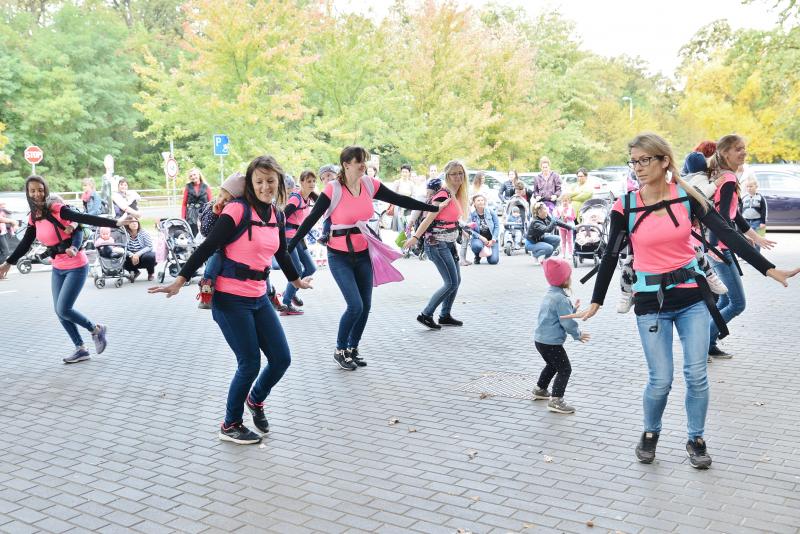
x=161 y=277
x=596 y=261
x=118 y=282
x=24 y=267
x=173 y=270
x=507 y=249
x=99 y=283
x=574 y=261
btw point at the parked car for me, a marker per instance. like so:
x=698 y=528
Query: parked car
x=616 y=176
x=780 y=185
x=601 y=188
x=492 y=180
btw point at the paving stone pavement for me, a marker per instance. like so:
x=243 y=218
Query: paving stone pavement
x=127 y=442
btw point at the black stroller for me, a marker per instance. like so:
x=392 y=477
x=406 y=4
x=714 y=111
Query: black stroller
x=591 y=234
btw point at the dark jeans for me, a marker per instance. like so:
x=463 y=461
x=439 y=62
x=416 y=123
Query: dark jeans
x=66 y=285
x=353 y=275
x=250 y=326
x=305 y=266
x=146 y=261
x=557 y=365
x=445 y=258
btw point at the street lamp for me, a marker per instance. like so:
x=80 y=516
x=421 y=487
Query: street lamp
x=630 y=106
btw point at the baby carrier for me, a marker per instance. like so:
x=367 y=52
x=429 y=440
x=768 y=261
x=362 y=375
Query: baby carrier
x=242 y=271
x=346 y=230
x=660 y=282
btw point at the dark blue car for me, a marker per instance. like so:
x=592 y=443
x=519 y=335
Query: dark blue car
x=780 y=185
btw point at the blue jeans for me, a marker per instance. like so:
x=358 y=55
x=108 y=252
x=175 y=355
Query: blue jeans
x=66 y=285
x=691 y=325
x=477 y=245
x=545 y=247
x=305 y=266
x=250 y=326
x=213 y=266
x=444 y=257
x=353 y=275
x=733 y=302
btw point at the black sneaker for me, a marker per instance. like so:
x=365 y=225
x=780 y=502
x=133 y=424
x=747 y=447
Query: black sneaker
x=646 y=449
x=344 y=360
x=297 y=301
x=257 y=411
x=428 y=321
x=698 y=456
x=449 y=320
x=719 y=354
x=238 y=433
x=356 y=359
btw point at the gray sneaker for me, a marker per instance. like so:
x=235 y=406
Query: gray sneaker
x=558 y=405
x=99 y=339
x=78 y=356
x=540 y=393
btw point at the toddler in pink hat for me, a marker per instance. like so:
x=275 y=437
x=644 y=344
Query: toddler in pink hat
x=551 y=332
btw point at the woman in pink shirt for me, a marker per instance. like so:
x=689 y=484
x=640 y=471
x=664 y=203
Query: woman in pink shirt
x=296 y=211
x=49 y=221
x=348 y=255
x=441 y=231
x=250 y=231
x=670 y=289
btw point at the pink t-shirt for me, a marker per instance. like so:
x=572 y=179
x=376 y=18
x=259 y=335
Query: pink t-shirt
x=49 y=235
x=451 y=213
x=729 y=178
x=299 y=215
x=658 y=245
x=350 y=210
x=256 y=254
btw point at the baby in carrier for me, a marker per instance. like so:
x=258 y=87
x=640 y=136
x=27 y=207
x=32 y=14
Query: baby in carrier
x=697 y=177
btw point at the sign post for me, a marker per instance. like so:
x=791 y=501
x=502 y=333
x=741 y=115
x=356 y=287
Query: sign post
x=221 y=149
x=170 y=173
x=33 y=155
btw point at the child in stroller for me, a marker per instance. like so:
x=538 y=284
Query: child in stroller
x=110 y=245
x=590 y=234
x=514 y=226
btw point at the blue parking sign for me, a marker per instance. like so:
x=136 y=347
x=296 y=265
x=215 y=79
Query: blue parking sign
x=221 y=145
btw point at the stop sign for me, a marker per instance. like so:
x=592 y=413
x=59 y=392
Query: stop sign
x=34 y=155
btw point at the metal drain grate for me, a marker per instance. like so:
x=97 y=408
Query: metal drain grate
x=514 y=385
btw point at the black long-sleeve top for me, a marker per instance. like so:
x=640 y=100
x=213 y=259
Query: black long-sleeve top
x=67 y=214
x=383 y=193
x=726 y=193
x=540 y=227
x=220 y=235
x=675 y=298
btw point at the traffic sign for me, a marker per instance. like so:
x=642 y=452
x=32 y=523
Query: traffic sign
x=221 y=147
x=34 y=155
x=171 y=167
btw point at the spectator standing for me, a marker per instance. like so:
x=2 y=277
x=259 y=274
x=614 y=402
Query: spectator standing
x=196 y=194
x=754 y=209
x=547 y=184
x=126 y=202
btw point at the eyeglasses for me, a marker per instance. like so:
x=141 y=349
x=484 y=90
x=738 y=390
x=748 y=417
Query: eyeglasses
x=643 y=162
x=459 y=173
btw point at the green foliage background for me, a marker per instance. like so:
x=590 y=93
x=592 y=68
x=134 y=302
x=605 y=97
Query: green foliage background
x=495 y=87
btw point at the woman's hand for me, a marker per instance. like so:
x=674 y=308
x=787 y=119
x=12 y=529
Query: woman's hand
x=171 y=290
x=585 y=314
x=303 y=283
x=408 y=244
x=135 y=259
x=4 y=267
x=763 y=242
x=778 y=275
x=585 y=336
x=71 y=252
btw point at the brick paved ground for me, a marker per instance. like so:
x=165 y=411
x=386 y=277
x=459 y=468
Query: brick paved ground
x=127 y=441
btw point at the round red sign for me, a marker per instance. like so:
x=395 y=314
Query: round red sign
x=34 y=155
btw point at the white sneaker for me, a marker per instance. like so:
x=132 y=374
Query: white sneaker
x=625 y=302
x=715 y=283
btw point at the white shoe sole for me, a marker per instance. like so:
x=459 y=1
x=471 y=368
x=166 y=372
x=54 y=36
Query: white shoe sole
x=225 y=437
x=557 y=410
x=77 y=360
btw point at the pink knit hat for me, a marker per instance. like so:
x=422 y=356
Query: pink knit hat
x=556 y=271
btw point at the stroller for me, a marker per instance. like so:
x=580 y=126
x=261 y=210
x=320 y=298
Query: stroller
x=514 y=232
x=110 y=261
x=176 y=237
x=36 y=254
x=591 y=233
